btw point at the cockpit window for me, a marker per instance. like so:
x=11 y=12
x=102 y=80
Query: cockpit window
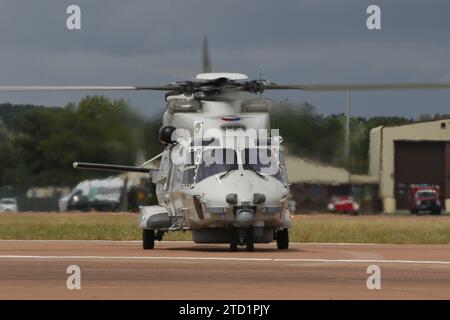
x=215 y=161
x=262 y=160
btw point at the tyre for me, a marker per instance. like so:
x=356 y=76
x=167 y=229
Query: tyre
x=436 y=212
x=283 y=239
x=249 y=246
x=233 y=246
x=148 y=239
x=234 y=240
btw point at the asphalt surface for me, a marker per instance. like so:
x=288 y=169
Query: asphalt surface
x=184 y=270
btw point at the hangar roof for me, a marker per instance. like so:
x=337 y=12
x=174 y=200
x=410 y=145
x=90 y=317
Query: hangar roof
x=310 y=171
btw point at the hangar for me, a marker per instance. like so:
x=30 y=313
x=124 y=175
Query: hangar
x=409 y=154
x=314 y=183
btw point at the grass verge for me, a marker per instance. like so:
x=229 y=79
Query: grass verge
x=403 y=229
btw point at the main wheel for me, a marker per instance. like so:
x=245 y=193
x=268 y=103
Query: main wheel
x=148 y=239
x=283 y=239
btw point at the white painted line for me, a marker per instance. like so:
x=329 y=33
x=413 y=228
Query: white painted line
x=366 y=261
x=130 y=258
x=32 y=257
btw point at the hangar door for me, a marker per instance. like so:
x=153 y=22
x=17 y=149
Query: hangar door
x=418 y=162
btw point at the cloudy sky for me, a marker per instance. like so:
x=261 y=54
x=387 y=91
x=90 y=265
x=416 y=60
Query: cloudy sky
x=141 y=42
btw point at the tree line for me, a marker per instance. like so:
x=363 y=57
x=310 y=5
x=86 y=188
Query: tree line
x=39 y=144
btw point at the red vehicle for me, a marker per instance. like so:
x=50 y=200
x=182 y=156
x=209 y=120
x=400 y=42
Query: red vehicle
x=424 y=197
x=343 y=204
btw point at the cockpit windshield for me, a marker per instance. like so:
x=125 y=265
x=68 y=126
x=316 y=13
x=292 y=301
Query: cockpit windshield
x=215 y=161
x=262 y=160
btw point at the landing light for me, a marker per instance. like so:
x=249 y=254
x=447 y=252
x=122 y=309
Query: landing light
x=231 y=198
x=259 y=198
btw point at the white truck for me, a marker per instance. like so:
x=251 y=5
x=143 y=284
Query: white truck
x=8 y=205
x=98 y=195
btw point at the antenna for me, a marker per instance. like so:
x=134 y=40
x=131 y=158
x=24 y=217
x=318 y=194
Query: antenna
x=206 y=61
x=347 y=126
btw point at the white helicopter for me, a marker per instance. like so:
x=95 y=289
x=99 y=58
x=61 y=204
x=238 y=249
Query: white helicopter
x=219 y=177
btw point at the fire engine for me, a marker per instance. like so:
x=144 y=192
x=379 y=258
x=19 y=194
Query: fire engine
x=424 y=197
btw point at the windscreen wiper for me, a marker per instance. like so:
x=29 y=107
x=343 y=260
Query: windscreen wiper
x=223 y=175
x=255 y=171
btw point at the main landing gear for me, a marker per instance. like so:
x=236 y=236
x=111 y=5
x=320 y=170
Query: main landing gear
x=149 y=237
x=282 y=239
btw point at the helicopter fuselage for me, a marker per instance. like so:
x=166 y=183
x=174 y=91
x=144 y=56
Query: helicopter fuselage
x=223 y=176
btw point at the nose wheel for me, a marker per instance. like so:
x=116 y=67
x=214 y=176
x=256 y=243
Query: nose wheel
x=248 y=239
x=234 y=239
x=241 y=237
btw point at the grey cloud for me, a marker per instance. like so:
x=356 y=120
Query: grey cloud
x=150 y=42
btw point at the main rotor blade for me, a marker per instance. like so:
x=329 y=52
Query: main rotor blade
x=357 y=87
x=88 y=88
x=255 y=86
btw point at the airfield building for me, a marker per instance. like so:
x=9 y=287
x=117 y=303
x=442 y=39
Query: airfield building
x=408 y=154
x=313 y=184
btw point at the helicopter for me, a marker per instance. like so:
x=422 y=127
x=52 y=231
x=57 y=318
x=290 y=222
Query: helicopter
x=222 y=173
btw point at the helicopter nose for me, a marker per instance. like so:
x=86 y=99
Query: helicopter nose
x=244 y=189
x=244 y=217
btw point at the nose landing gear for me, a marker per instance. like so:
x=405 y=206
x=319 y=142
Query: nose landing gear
x=248 y=239
x=241 y=237
x=234 y=240
x=149 y=236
